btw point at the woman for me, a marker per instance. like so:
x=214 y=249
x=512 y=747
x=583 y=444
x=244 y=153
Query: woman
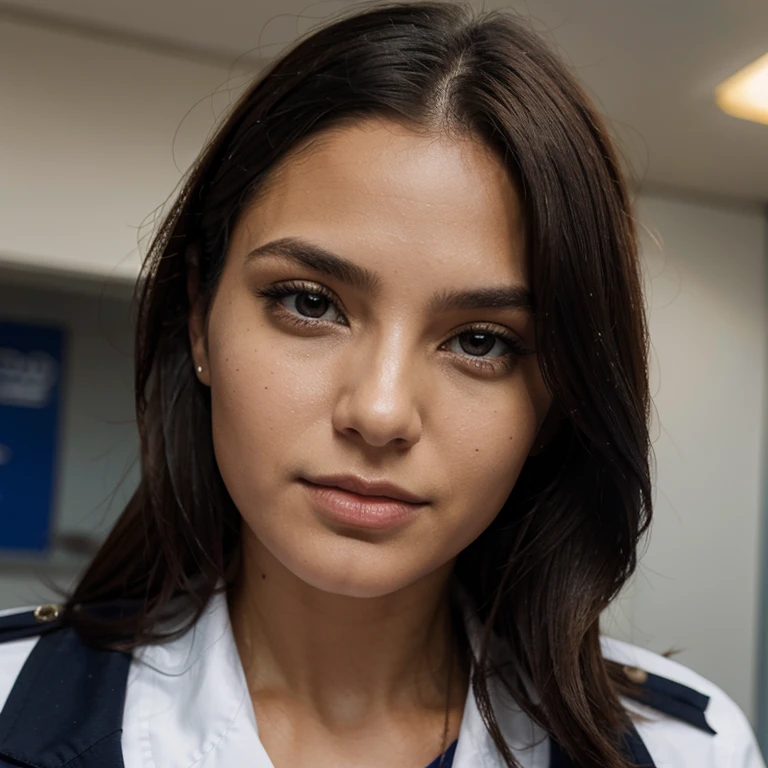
x=393 y=405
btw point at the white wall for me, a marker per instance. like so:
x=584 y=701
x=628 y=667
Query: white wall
x=90 y=138
x=697 y=587
x=86 y=154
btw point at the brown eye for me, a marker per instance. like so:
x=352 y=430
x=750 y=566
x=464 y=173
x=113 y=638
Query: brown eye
x=486 y=350
x=302 y=305
x=476 y=342
x=311 y=304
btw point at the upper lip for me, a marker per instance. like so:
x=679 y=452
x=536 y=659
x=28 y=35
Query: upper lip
x=366 y=487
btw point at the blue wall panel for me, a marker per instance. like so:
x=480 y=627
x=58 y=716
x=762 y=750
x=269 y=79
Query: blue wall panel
x=31 y=365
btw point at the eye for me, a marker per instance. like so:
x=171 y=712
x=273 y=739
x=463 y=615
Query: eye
x=479 y=341
x=301 y=304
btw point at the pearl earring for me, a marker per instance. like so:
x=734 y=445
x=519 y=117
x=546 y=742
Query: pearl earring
x=199 y=368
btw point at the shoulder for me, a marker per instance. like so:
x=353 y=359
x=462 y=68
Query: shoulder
x=20 y=629
x=689 y=720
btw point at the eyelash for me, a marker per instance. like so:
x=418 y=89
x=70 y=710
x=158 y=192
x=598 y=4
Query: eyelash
x=274 y=293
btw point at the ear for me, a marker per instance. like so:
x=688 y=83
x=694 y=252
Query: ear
x=196 y=322
x=548 y=428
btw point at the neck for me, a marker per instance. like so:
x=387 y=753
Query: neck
x=344 y=656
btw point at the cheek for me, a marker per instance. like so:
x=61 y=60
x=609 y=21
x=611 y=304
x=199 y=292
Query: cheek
x=262 y=400
x=486 y=448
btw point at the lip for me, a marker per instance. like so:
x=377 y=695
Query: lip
x=365 y=487
x=357 y=510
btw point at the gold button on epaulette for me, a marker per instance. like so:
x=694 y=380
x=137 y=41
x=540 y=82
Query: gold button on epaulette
x=47 y=612
x=636 y=675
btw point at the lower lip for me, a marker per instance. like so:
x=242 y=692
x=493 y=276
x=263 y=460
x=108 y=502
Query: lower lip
x=372 y=512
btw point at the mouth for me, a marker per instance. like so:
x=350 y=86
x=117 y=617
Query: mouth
x=373 y=488
x=350 y=509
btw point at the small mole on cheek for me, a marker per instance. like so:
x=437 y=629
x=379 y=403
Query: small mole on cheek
x=263 y=575
x=266 y=387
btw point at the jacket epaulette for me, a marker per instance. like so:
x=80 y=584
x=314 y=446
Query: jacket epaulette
x=666 y=696
x=66 y=705
x=35 y=621
x=670 y=698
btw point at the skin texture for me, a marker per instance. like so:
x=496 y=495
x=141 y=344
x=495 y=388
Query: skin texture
x=351 y=667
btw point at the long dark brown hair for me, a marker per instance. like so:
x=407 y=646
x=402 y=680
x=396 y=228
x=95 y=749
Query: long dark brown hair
x=566 y=539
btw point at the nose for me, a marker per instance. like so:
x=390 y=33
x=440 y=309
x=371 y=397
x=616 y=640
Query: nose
x=379 y=395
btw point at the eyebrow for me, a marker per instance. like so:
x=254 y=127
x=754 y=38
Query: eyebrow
x=321 y=260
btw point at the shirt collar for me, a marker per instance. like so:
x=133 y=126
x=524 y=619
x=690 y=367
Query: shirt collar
x=200 y=703
x=190 y=697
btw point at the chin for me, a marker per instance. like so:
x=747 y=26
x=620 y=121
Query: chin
x=353 y=568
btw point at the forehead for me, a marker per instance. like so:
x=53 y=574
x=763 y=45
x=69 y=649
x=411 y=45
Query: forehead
x=380 y=191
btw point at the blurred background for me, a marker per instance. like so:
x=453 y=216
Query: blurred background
x=103 y=106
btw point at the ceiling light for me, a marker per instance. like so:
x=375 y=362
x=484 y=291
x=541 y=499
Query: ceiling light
x=745 y=94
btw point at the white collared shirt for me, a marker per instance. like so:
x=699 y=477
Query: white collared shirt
x=187 y=704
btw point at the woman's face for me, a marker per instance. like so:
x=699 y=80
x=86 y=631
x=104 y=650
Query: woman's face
x=392 y=355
